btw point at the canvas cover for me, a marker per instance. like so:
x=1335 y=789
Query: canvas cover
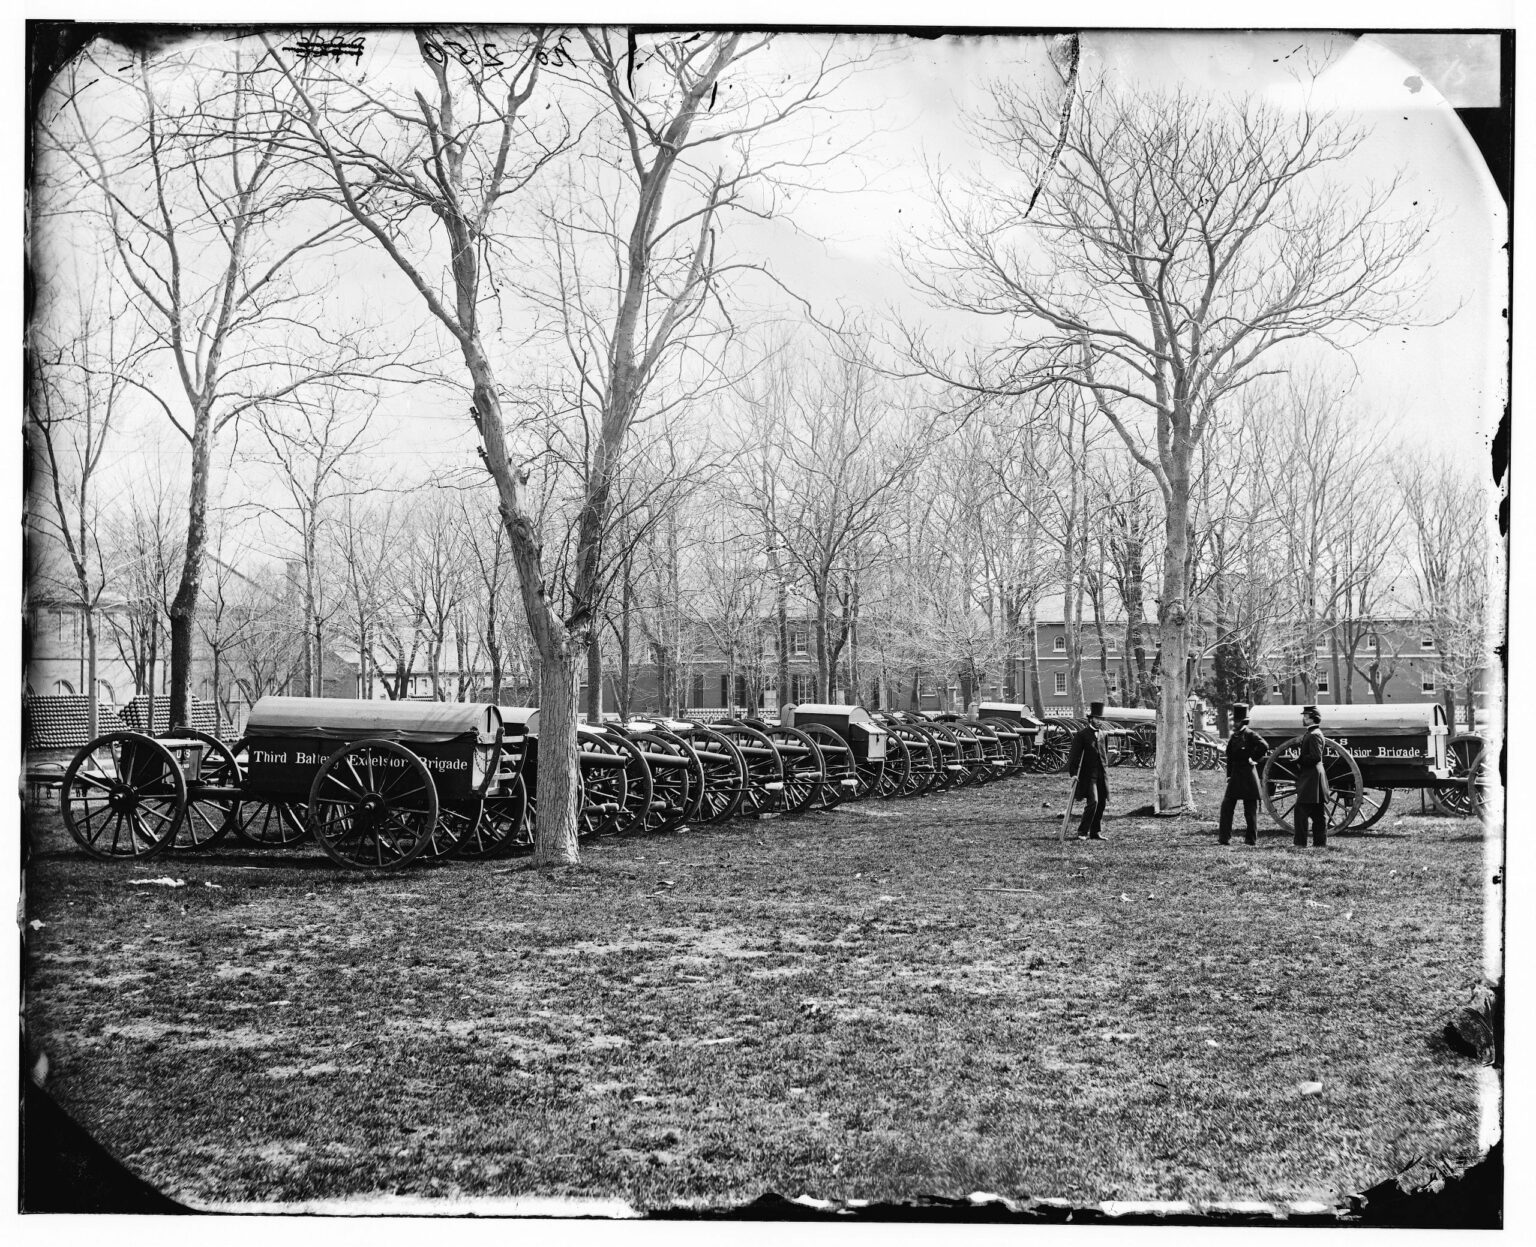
x=1417 y=718
x=340 y=719
x=1012 y=711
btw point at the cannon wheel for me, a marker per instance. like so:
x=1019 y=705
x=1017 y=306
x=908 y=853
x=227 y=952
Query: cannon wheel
x=837 y=766
x=1374 y=803
x=1279 y=784
x=267 y=824
x=673 y=787
x=725 y=775
x=209 y=819
x=1461 y=795
x=123 y=795
x=1057 y=742
x=696 y=775
x=369 y=814
x=456 y=823
x=804 y=768
x=764 y=767
x=500 y=829
x=898 y=767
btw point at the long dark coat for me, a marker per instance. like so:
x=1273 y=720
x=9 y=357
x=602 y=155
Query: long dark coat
x=1246 y=751
x=1088 y=760
x=1311 y=779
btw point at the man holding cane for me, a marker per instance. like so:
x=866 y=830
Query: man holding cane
x=1089 y=762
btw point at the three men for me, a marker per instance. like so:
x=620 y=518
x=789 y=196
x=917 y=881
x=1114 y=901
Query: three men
x=1245 y=750
x=1089 y=761
x=1312 y=790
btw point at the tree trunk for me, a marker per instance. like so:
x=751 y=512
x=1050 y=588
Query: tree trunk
x=559 y=780
x=594 y=679
x=1173 y=790
x=184 y=605
x=93 y=705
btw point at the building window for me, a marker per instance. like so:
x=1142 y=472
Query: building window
x=1274 y=688
x=800 y=688
x=799 y=641
x=1112 y=686
x=1427 y=642
x=63 y=688
x=1321 y=644
x=1059 y=645
x=696 y=691
x=1061 y=684
x=1322 y=682
x=1427 y=684
x=104 y=693
x=1375 y=642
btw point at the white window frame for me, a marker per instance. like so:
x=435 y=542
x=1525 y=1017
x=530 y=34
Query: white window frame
x=1321 y=681
x=1060 y=684
x=1427 y=642
x=1059 y=645
x=1427 y=684
x=799 y=641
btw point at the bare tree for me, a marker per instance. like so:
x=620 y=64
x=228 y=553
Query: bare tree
x=79 y=387
x=313 y=446
x=1177 y=244
x=182 y=152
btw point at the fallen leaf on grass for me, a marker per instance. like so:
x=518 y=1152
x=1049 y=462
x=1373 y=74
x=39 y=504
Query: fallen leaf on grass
x=1211 y=1043
x=206 y=884
x=1318 y=905
x=1310 y=1088
x=709 y=1043
x=1124 y=897
x=163 y=882
x=37 y=924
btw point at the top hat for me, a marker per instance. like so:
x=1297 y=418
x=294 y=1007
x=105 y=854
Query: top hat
x=1240 y=712
x=1095 y=710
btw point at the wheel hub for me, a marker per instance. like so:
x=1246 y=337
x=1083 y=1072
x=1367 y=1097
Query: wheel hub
x=122 y=799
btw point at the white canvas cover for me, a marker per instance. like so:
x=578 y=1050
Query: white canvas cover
x=1413 y=718
x=335 y=718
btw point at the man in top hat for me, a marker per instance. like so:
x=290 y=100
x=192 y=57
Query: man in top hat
x=1312 y=790
x=1245 y=750
x=1089 y=761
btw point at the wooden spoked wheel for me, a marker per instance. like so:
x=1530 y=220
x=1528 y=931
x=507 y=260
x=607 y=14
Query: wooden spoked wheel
x=898 y=767
x=500 y=830
x=266 y=823
x=1463 y=794
x=640 y=791
x=804 y=769
x=922 y=758
x=1054 y=748
x=1374 y=803
x=456 y=822
x=1278 y=781
x=210 y=817
x=373 y=805
x=605 y=800
x=765 y=769
x=1010 y=741
x=696 y=776
x=123 y=795
x=725 y=775
x=671 y=764
x=840 y=776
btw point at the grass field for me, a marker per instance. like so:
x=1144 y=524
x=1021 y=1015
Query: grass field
x=893 y=1000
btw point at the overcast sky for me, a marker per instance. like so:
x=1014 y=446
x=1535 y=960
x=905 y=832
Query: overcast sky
x=1438 y=384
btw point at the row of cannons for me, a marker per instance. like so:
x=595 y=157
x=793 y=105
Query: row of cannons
x=381 y=784
x=378 y=785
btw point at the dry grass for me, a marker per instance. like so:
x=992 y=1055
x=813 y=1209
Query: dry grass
x=889 y=1001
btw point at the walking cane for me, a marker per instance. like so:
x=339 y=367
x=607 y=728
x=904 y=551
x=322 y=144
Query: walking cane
x=1071 y=801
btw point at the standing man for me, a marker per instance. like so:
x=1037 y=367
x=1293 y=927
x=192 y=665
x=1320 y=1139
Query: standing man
x=1089 y=761
x=1311 y=782
x=1245 y=750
